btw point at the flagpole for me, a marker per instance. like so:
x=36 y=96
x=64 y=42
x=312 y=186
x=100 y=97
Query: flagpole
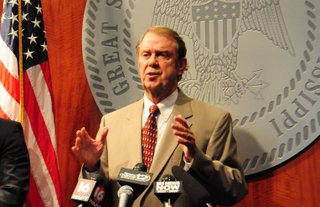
x=20 y=67
x=21 y=112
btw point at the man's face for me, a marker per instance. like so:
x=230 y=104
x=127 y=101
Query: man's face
x=158 y=68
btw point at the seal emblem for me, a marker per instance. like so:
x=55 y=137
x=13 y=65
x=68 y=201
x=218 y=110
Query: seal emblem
x=258 y=59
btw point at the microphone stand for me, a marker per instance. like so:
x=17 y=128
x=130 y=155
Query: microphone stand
x=168 y=203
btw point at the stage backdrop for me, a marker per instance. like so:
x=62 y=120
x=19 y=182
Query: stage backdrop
x=294 y=181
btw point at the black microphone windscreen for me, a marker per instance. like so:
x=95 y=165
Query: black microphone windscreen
x=140 y=167
x=168 y=177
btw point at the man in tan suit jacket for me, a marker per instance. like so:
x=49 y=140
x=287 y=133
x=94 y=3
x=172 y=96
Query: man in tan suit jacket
x=194 y=135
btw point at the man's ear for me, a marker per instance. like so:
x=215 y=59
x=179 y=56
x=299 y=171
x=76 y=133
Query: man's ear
x=182 y=65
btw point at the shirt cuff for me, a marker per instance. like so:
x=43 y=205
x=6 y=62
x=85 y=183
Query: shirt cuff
x=92 y=175
x=187 y=165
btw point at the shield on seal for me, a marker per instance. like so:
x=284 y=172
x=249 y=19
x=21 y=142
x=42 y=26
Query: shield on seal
x=216 y=23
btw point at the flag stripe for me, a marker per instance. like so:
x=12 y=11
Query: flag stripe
x=39 y=170
x=2 y=114
x=8 y=104
x=8 y=59
x=10 y=83
x=36 y=198
x=41 y=137
x=38 y=76
x=47 y=76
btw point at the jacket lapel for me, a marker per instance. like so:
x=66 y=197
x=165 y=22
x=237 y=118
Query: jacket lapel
x=134 y=130
x=169 y=143
x=125 y=149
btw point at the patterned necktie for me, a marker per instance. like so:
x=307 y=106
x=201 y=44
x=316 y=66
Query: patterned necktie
x=149 y=136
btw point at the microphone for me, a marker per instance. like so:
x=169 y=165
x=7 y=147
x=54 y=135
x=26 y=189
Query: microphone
x=197 y=192
x=168 y=190
x=136 y=179
x=90 y=192
x=125 y=194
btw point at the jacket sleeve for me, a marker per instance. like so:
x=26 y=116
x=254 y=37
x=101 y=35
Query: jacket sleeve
x=218 y=167
x=14 y=165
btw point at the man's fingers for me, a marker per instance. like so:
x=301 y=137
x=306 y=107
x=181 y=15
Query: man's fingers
x=82 y=134
x=102 y=134
x=180 y=124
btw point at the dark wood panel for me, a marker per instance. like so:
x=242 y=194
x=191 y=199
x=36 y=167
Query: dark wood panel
x=73 y=103
x=294 y=183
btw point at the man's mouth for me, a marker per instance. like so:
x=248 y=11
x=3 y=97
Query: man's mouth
x=153 y=74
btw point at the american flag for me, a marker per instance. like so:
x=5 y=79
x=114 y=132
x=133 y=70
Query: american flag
x=28 y=97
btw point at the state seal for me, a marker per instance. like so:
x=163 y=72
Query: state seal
x=258 y=59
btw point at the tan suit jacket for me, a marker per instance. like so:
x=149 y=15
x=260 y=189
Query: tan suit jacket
x=215 y=164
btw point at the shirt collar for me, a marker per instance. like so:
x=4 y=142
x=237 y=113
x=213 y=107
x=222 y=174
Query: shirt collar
x=165 y=104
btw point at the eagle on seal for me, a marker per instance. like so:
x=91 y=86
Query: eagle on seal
x=214 y=27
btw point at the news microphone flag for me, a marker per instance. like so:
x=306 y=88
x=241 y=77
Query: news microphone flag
x=136 y=178
x=83 y=190
x=91 y=192
x=26 y=95
x=168 y=189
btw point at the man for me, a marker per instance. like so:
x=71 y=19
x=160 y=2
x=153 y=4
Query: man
x=191 y=134
x=14 y=164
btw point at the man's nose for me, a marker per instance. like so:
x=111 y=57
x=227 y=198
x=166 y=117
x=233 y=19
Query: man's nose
x=153 y=61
